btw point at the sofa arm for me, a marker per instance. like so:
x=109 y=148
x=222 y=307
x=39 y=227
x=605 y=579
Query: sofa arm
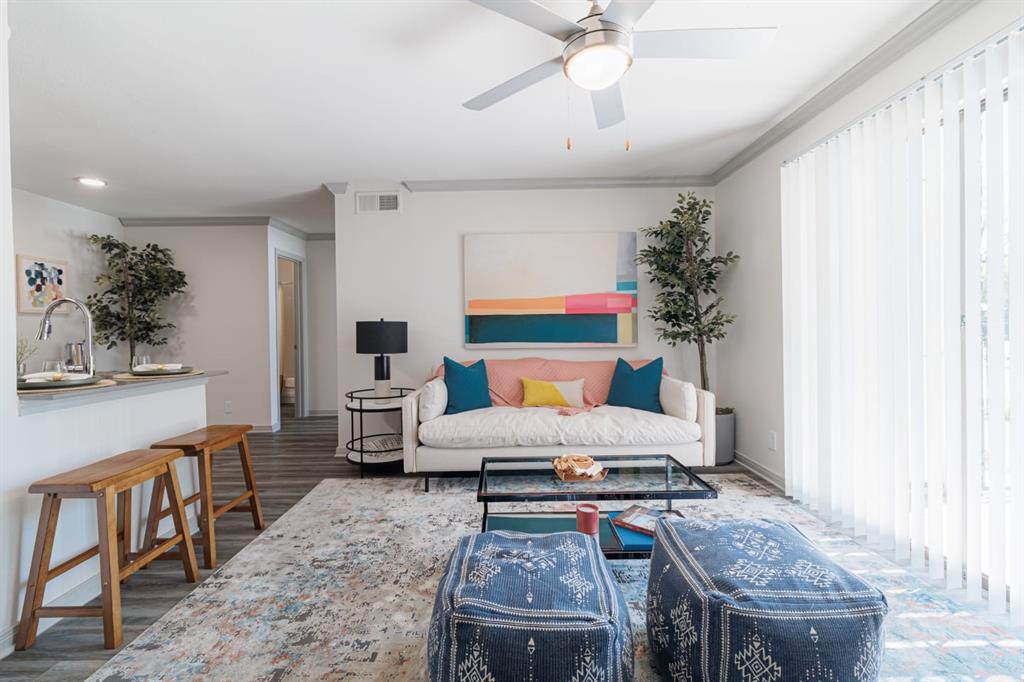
x=410 y=429
x=706 y=420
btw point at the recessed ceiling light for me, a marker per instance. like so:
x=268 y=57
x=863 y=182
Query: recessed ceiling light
x=92 y=182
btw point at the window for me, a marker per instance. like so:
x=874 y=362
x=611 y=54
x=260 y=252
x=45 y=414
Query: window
x=903 y=254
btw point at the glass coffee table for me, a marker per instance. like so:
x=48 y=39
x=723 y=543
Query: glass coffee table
x=640 y=478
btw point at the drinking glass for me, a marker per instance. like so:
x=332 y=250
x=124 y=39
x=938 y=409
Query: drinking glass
x=57 y=367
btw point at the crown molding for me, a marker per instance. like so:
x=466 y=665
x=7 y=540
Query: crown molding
x=555 y=183
x=204 y=221
x=912 y=35
x=336 y=188
x=228 y=221
x=282 y=226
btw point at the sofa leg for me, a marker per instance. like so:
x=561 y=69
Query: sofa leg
x=426 y=483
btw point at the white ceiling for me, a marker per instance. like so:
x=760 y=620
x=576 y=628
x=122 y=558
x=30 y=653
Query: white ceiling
x=245 y=108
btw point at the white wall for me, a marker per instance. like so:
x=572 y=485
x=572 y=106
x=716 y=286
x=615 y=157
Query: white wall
x=9 y=579
x=749 y=222
x=322 y=328
x=228 y=320
x=409 y=267
x=48 y=228
x=223 y=320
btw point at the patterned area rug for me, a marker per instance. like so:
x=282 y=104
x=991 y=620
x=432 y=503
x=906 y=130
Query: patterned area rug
x=342 y=586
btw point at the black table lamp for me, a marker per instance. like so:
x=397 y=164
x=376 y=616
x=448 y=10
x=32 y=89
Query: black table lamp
x=382 y=339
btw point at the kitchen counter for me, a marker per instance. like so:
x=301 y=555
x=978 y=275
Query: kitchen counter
x=29 y=403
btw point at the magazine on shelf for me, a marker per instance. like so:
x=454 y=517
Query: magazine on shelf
x=642 y=519
x=629 y=539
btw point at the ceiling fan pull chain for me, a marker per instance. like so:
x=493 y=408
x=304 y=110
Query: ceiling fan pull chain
x=568 y=120
x=625 y=101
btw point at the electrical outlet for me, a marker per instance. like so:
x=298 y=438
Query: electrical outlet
x=773 y=441
x=227 y=407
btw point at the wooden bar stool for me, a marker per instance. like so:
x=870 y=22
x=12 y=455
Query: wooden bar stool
x=201 y=444
x=109 y=481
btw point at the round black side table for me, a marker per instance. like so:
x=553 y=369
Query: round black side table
x=373 y=449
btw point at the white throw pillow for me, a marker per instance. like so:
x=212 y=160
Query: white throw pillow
x=433 y=399
x=678 y=398
x=572 y=391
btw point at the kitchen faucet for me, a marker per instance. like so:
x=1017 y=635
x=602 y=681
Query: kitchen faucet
x=46 y=327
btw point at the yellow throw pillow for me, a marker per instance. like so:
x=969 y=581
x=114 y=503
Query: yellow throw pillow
x=538 y=393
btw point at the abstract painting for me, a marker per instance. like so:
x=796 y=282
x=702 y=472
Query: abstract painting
x=572 y=289
x=40 y=281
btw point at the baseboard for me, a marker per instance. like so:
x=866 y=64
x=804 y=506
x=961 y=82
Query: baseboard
x=773 y=477
x=323 y=413
x=76 y=595
x=267 y=428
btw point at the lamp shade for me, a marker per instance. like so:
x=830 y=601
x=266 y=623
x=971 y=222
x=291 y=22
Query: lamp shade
x=380 y=337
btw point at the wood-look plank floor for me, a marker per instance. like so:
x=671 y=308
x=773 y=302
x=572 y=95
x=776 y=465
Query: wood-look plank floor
x=288 y=465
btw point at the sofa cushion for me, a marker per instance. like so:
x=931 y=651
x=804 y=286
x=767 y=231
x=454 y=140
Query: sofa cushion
x=467 y=386
x=433 y=400
x=532 y=426
x=636 y=388
x=678 y=398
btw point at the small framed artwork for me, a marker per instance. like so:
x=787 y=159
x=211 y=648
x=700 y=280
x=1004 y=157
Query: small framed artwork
x=40 y=282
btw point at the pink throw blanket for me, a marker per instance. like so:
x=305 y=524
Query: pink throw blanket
x=505 y=378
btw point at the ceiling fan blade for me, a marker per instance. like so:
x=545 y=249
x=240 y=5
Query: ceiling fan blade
x=534 y=15
x=608 y=107
x=702 y=43
x=626 y=13
x=514 y=85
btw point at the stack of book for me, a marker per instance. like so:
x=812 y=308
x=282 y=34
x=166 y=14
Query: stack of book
x=634 y=528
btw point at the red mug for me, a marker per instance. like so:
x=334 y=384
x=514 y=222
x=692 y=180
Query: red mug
x=587 y=518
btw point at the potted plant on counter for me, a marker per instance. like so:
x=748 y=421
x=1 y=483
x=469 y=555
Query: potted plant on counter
x=682 y=265
x=133 y=290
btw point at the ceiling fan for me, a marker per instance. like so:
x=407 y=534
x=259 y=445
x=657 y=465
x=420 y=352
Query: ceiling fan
x=598 y=49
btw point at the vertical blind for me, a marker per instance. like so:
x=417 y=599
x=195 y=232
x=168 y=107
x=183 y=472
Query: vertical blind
x=903 y=303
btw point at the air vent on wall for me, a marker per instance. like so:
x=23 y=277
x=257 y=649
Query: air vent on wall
x=378 y=202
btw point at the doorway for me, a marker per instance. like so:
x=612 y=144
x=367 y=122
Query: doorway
x=290 y=361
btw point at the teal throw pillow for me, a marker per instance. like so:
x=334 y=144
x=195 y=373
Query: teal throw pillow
x=637 y=388
x=467 y=386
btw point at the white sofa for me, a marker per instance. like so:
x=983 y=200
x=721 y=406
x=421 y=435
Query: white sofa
x=435 y=442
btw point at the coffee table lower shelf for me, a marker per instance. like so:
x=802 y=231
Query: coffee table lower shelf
x=559 y=522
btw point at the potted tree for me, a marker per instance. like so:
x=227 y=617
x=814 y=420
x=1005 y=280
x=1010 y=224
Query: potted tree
x=137 y=283
x=681 y=264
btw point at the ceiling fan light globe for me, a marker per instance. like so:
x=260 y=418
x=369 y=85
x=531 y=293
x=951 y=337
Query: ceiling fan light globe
x=597 y=67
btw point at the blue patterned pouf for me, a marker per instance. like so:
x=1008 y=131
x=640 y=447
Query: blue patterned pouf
x=754 y=600
x=512 y=606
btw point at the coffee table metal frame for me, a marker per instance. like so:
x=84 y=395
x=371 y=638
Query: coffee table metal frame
x=546 y=476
